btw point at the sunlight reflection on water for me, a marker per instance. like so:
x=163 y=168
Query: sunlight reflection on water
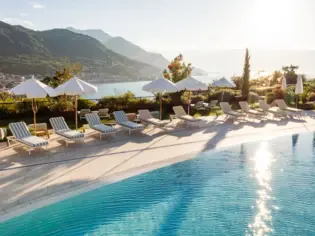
x=262 y=222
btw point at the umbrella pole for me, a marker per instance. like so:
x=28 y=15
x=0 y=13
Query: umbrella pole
x=189 y=98
x=34 y=108
x=160 y=106
x=75 y=111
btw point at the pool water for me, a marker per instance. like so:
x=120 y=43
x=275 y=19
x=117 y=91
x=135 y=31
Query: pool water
x=258 y=188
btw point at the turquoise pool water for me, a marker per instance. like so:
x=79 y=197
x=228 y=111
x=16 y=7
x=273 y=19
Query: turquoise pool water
x=259 y=188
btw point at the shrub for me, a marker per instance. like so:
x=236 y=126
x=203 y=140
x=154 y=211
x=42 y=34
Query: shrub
x=253 y=97
x=279 y=93
x=85 y=104
x=270 y=97
x=312 y=97
x=62 y=106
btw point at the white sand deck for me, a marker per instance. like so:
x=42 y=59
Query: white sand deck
x=29 y=182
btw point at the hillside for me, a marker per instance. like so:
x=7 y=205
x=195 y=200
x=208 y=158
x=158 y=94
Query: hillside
x=24 y=51
x=130 y=50
x=98 y=34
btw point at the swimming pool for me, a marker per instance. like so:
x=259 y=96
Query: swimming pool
x=258 y=188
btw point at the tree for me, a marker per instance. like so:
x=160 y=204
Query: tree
x=238 y=81
x=246 y=75
x=65 y=73
x=177 y=70
x=289 y=73
x=4 y=96
x=275 y=78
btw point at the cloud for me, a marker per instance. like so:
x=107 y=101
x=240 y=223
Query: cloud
x=8 y=20
x=23 y=14
x=17 y=21
x=36 y=5
x=27 y=23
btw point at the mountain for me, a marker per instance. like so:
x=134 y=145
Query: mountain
x=125 y=48
x=24 y=51
x=132 y=51
x=98 y=34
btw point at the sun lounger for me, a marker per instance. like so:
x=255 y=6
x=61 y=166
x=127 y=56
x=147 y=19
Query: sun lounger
x=182 y=115
x=199 y=106
x=95 y=123
x=83 y=112
x=251 y=112
x=103 y=113
x=277 y=112
x=61 y=128
x=122 y=120
x=283 y=106
x=146 y=116
x=229 y=112
x=23 y=135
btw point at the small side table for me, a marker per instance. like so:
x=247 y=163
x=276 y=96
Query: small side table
x=41 y=129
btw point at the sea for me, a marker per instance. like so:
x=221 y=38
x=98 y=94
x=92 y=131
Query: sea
x=115 y=89
x=223 y=63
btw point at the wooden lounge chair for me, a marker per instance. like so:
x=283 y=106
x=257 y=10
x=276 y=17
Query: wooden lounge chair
x=83 y=112
x=146 y=116
x=61 y=128
x=199 y=106
x=103 y=113
x=229 y=112
x=23 y=135
x=122 y=120
x=293 y=111
x=95 y=123
x=275 y=111
x=183 y=116
x=251 y=112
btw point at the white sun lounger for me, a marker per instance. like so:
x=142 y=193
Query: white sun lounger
x=123 y=121
x=251 y=112
x=146 y=116
x=182 y=115
x=23 y=135
x=229 y=112
x=61 y=128
x=277 y=112
x=95 y=123
x=293 y=111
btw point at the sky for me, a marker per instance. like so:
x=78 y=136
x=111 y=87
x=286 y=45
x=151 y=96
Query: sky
x=178 y=25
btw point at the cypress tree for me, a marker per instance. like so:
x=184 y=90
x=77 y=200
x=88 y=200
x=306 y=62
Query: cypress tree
x=246 y=75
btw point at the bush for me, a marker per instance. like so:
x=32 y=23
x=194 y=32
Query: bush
x=85 y=104
x=253 y=97
x=62 y=106
x=270 y=97
x=312 y=97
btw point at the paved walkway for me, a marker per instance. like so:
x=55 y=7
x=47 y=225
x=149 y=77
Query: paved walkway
x=29 y=182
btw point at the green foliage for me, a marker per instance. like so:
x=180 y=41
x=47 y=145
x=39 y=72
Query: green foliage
x=127 y=102
x=62 y=106
x=85 y=104
x=270 y=97
x=25 y=51
x=289 y=73
x=5 y=96
x=246 y=75
x=177 y=69
x=62 y=75
x=275 y=79
x=186 y=97
x=238 y=81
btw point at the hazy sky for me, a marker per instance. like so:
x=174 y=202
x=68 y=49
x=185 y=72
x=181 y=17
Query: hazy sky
x=178 y=25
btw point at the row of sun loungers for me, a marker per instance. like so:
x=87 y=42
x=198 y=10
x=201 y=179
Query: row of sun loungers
x=23 y=135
